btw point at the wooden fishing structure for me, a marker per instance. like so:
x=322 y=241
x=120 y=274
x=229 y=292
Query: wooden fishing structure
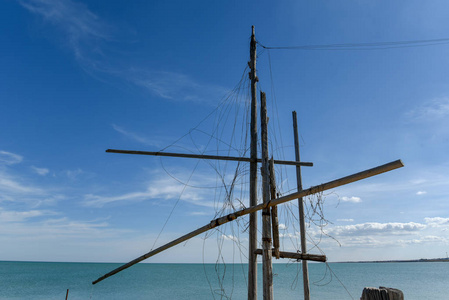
x=268 y=207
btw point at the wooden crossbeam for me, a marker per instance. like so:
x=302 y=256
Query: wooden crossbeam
x=298 y=256
x=201 y=156
x=228 y=218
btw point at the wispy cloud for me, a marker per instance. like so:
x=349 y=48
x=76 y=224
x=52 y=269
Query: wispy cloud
x=345 y=220
x=17 y=187
x=11 y=188
x=90 y=38
x=199 y=213
x=134 y=136
x=421 y=193
x=83 y=30
x=40 y=171
x=435 y=109
x=176 y=86
x=20 y=216
x=41 y=225
x=9 y=158
x=73 y=174
x=159 y=189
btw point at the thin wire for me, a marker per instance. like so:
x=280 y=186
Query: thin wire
x=332 y=272
x=363 y=46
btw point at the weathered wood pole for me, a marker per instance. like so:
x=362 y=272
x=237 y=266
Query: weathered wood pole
x=274 y=212
x=302 y=226
x=252 y=257
x=295 y=255
x=231 y=217
x=266 y=219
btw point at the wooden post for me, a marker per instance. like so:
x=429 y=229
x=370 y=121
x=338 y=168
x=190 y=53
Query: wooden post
x=274 y=212
x=67 y=294
x=252 y=257
x=302 y=226
x=231 y=217
x=381 y=293
x=266 y=222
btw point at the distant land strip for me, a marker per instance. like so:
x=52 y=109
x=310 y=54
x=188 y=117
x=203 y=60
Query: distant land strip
x=400 y=261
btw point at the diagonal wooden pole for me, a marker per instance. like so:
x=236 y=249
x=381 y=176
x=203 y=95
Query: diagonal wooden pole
x=228 y=218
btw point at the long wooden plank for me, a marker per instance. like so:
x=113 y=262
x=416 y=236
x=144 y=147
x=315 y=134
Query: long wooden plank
x=228 y=218
x=202 y=156
x=295 y=255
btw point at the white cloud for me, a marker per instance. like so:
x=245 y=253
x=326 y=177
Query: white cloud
x=437 y=222
x=421 y=193
x=375 y=229
x=40 y=171
x=230 y=237
x=282 y=226
x=345 y=220
x=351 y=199
x=9 y=158
x=199 y=213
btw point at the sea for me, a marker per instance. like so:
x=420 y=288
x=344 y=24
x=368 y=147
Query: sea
x=53 y=280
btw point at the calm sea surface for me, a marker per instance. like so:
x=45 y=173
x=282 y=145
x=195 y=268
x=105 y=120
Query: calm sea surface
x=36 y=280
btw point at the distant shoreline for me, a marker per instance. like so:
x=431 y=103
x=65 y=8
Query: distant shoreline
x=400 y=261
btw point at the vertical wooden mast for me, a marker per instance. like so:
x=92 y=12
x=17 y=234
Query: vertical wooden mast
x=252 y=257
x=266 y=217
x=302 y=226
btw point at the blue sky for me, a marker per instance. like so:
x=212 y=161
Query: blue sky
x=79 y=77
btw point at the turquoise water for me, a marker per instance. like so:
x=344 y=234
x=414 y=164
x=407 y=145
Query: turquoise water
x=36 y=280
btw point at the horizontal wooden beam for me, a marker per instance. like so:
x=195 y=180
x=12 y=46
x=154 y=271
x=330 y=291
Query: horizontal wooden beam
x=201 y=156
x=225 y=219
x=295 y=255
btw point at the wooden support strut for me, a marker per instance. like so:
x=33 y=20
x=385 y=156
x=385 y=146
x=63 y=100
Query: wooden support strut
x=202 y=156
x=274 y=213
x=225 y=219
x=267 y=267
